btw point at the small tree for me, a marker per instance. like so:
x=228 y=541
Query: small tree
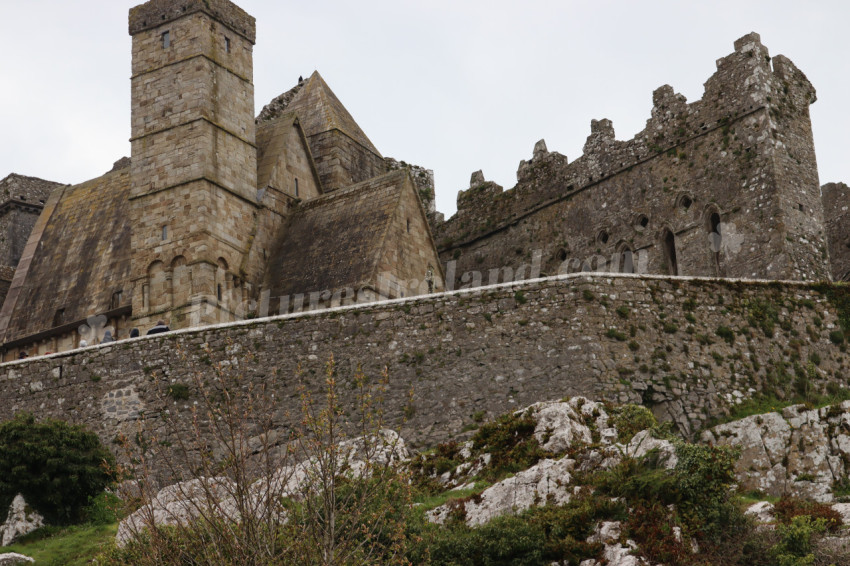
x=254 y=494
x=56 y=466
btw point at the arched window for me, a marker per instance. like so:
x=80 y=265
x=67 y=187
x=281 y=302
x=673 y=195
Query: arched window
x=181 y=281
x=625 y=259
x=715 y=237
x=157 y=296
x=668 y=245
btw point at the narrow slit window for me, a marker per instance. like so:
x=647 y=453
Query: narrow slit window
x=165 y=232
x=166 y=39
x=296 y=187
x=227 y=44
x=218 y=291
x=408 y=225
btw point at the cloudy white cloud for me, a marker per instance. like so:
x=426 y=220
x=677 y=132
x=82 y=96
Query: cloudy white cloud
x=452 y=85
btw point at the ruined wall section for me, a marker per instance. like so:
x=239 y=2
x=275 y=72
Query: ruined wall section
x=343 y=161
x=836 y=206
x=21 y=201
x=715 y=156
x=689 y=349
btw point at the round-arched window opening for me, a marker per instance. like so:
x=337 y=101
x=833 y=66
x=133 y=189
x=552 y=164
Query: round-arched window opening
x=686 y=202
x=562 y=254
x=641 y=222
x=602 y=237
x=714 y=223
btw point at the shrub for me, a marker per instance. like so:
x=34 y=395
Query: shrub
x=788 y=508
x=836 y=337
x=56 y=466
x=630 y=420
x=795 y=545
x=511 y=443
x=726 y=333
x=178 y=392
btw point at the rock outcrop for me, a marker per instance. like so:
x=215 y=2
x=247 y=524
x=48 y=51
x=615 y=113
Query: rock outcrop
x=796 y=451
x=14 y=559
x=220 y=497
x=20 y=521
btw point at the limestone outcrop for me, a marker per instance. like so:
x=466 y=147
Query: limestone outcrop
x=14 y=559
x=21 y=520
x=220 y=497
x=796 y=451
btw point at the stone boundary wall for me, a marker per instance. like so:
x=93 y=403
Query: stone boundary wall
x=687 y=348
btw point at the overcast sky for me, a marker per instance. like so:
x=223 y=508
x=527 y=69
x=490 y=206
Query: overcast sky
x=454 y=86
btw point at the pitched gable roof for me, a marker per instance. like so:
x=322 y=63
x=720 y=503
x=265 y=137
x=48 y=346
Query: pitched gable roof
x=319 y=111
x=271 y=146
x=77 y=255
x=334 y=241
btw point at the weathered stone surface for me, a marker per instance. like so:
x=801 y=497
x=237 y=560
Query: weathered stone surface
x=20 y=520
x=798 y=452
x=480 y=352
x=14 y=559
x=545 y=482
x=762 y=511
x=185 y=501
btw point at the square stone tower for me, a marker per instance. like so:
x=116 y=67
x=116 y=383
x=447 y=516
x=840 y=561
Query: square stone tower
x=194 y=160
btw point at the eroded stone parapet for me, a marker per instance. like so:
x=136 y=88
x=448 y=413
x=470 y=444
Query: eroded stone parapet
x=158 y=12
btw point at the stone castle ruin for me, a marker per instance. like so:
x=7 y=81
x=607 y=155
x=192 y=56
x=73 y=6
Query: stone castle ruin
x=726 y=186
x=219 y=215
x=216 y=213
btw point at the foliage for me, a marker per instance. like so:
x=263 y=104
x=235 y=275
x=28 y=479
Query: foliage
x=56 y=466
x=256 y=505
x=788 y=508
x=511 y=443
x=631 y=419
x=697 y=490
x=795 y=545
x=537 y=536
x=64 y=546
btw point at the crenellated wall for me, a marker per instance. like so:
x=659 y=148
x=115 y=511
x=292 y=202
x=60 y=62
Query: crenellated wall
x=724 y=186
x=687 y=348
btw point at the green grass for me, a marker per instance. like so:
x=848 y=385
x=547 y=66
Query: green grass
x=64 y=546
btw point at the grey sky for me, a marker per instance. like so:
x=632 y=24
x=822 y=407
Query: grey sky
x=455 y=86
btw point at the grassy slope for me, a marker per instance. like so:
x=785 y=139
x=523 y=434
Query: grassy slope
x=68 y=546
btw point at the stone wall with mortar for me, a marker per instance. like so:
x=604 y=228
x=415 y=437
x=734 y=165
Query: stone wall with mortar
x=688 y=348
x=836 y=209
x=730 y=181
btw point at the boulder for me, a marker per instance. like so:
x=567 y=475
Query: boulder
x=183 y=502
x=545 y=482
x=762 y=511
x=21 y=520
x=13 y=559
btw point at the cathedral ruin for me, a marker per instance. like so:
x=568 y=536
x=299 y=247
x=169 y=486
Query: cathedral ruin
x=220 y=215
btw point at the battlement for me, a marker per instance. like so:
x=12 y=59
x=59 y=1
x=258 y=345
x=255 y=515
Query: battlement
x=155 y=13
x=751 y=123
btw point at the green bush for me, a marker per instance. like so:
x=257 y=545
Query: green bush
x=630 y=420
x=511 y=443
x=57 y=467
x=795 y=545
x=726 y=333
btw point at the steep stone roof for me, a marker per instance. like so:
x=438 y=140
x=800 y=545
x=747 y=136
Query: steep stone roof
x=334 y=241
x=271 y=145
x=78 y=254
x=318 y=109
